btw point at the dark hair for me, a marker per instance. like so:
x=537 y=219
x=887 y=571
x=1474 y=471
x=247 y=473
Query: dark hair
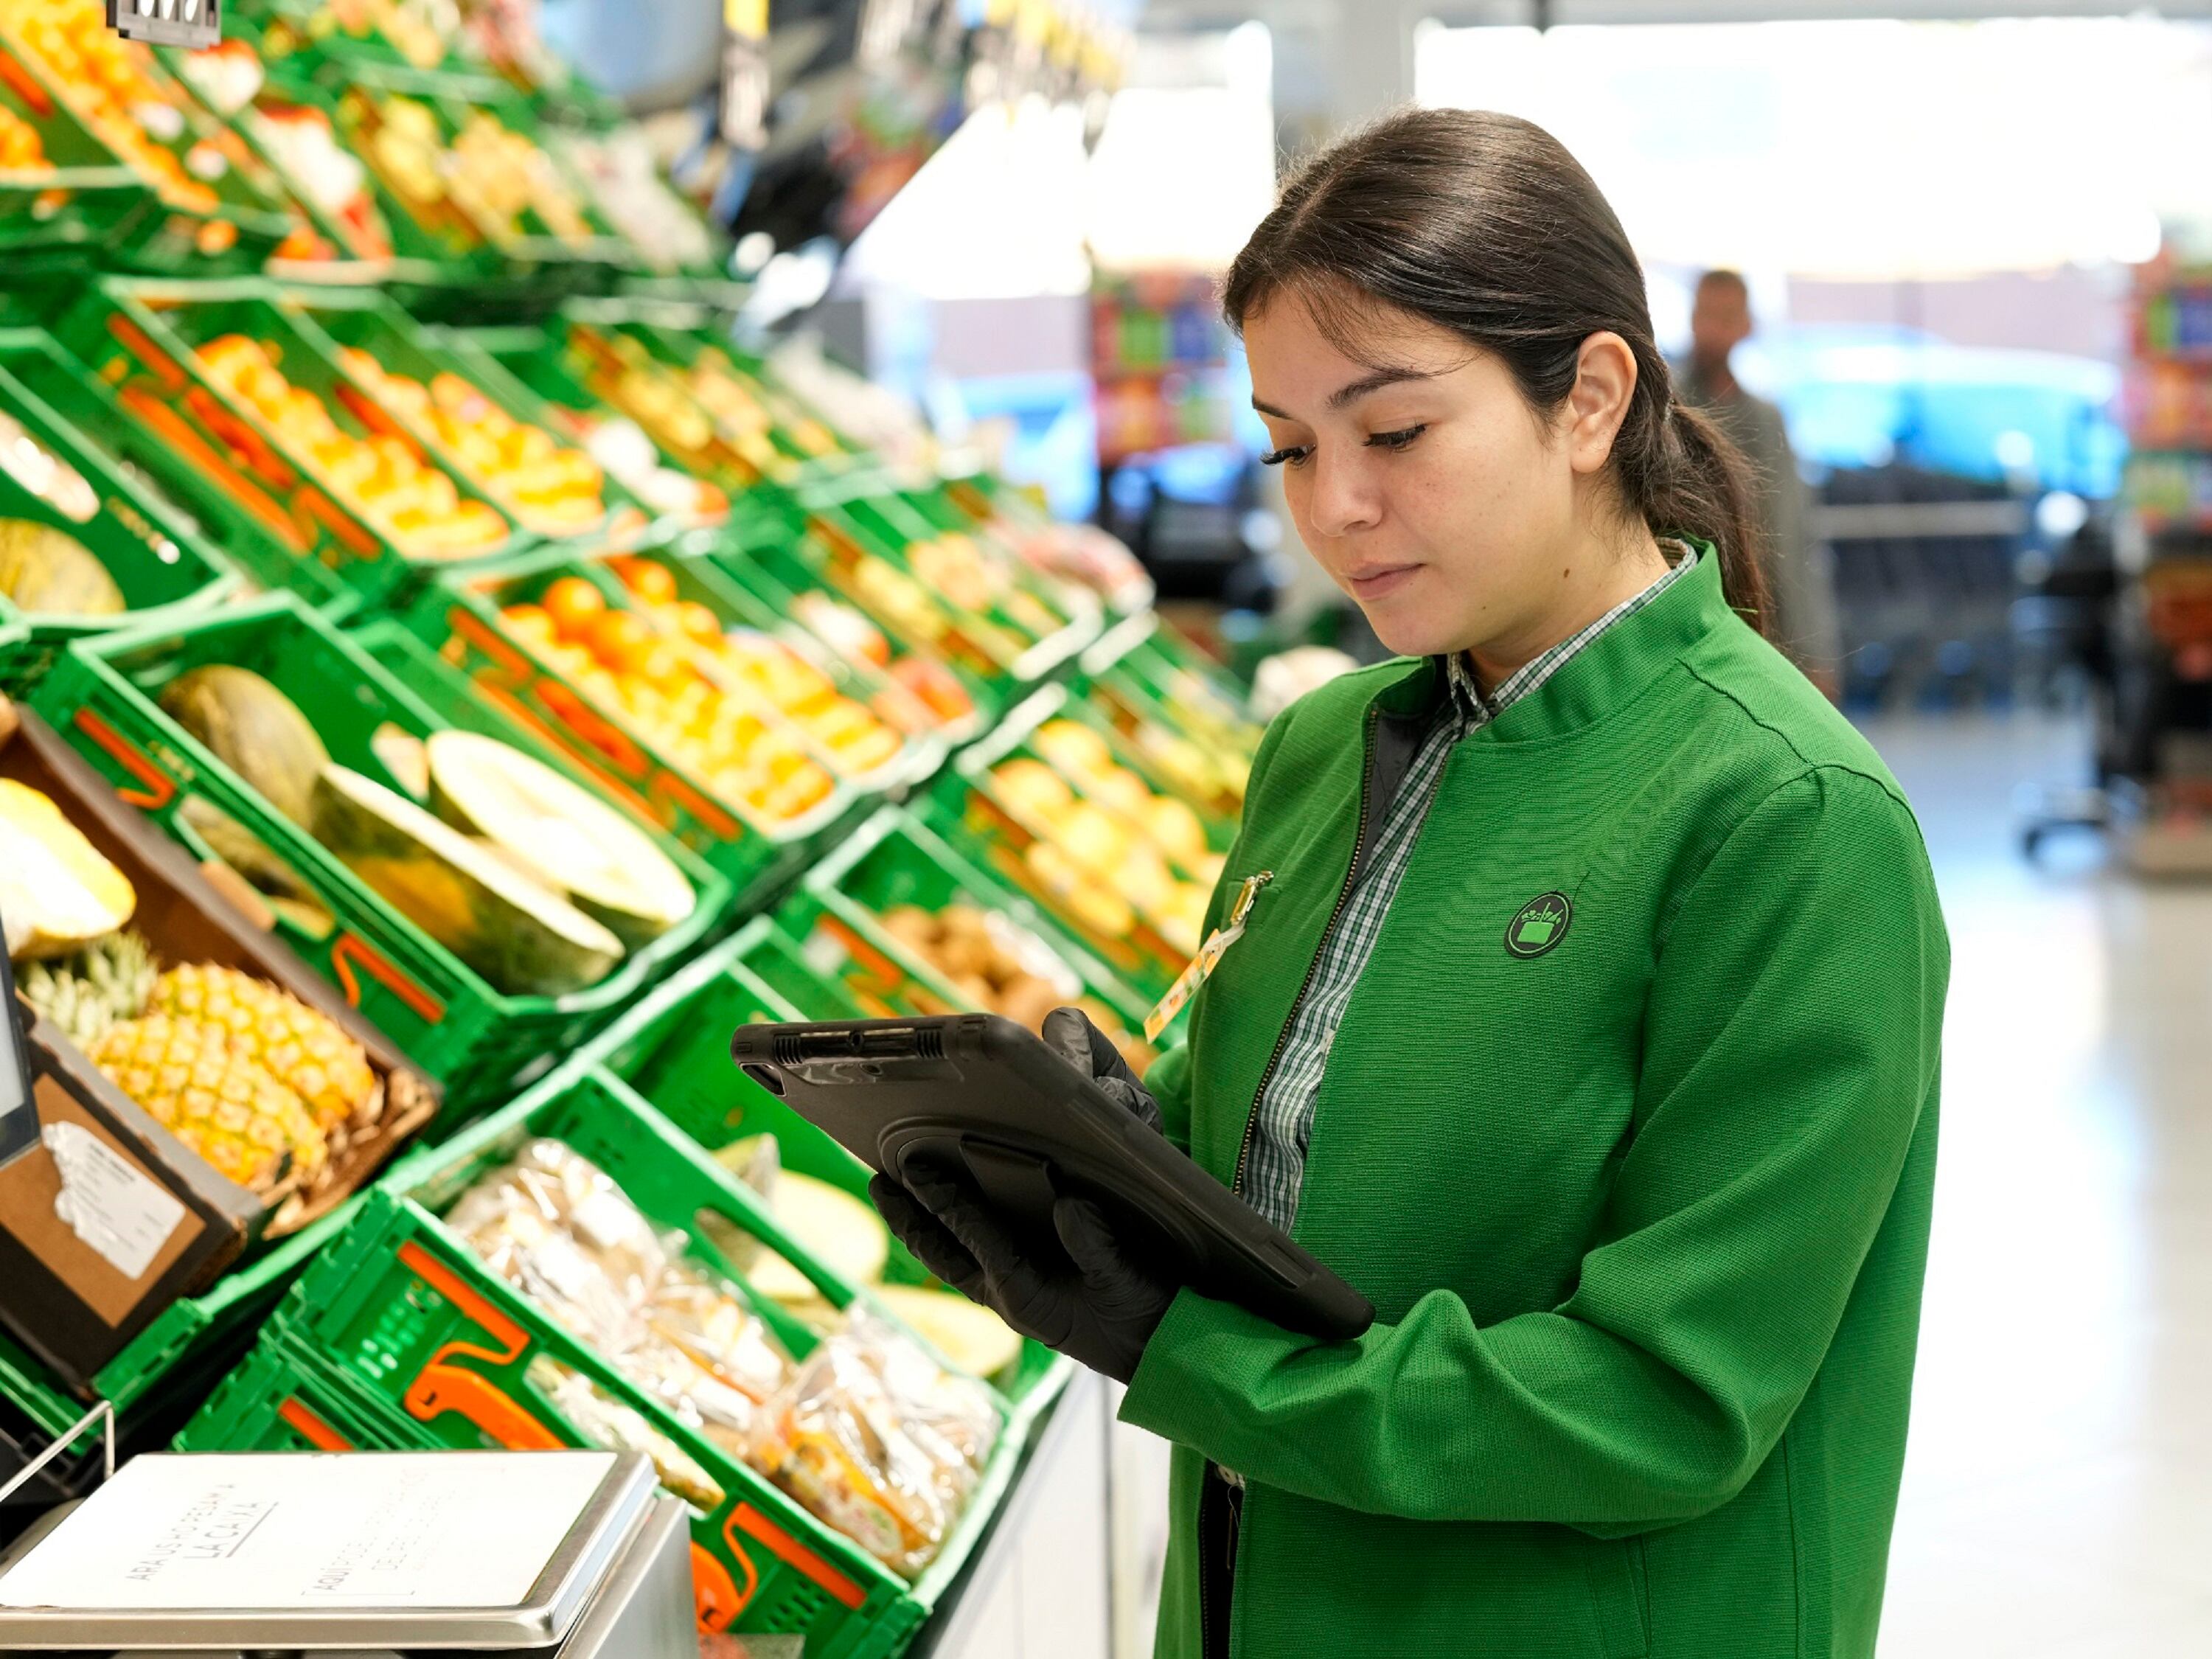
x=1722 y=276
x=1484 y=224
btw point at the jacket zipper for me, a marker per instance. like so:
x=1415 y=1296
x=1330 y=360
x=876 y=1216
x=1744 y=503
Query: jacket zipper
x=1343 y=897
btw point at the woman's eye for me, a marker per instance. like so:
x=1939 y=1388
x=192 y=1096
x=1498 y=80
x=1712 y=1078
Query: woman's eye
x=1296 y=456
x=1396 y=440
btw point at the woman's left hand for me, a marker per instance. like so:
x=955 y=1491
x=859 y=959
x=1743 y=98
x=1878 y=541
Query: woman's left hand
x=1103 y=1311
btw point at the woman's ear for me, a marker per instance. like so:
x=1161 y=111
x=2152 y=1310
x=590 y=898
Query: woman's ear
x=1605 y=384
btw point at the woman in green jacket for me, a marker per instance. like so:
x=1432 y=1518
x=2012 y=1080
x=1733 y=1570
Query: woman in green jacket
x=1587 y=1021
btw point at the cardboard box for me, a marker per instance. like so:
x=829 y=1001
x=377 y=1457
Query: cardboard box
x=111 y=1218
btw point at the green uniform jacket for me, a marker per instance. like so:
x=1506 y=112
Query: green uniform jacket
x=1644 y=1216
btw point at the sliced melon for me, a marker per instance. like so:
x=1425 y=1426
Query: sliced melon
x=974 y=1338
x=566 y=836
x=521 y=938
x=842 y=1232
x=49 y=572
x=58 y=893
x=252 y=728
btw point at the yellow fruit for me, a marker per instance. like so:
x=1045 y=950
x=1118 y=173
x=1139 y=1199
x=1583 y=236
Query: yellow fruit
x=1034 y=790
x=205 y=1090
x=1094 y=839
x=1074 y=747
x=58 y=892
x=298 y=1046
x=1175 y=830
x=1120 y=792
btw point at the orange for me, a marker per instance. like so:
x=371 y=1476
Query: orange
x=621 y=640
x=653 y=583
x=698 y=623
x=575 y=606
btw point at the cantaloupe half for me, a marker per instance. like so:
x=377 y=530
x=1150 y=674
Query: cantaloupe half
x=567 y=837
x=58 y=893
x=974 y=1339
x=522 y=937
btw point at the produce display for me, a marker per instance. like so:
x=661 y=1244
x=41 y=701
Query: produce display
x=1107 y=846
x=297 y=140
x=121 y=93
x=547 y=486
x=474 y=180
x=999 y=969
x=847 y=1236
x=263 y=1087
x=383 y=477
x=534 y=883
x=434 y=352
x=867 y=1430
x=655 y=679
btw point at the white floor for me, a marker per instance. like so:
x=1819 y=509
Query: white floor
x=2058 y=1491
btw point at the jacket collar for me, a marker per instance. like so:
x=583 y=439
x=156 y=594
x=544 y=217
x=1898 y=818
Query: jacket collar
x=1606 y=674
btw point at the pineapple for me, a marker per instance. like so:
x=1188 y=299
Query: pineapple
x=298 y=1046
x=81 y=995
x=211 y=1096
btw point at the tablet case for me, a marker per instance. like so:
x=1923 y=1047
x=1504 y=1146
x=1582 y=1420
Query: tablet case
x=979 y=1092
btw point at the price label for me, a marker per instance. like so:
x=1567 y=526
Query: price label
x=191 y=24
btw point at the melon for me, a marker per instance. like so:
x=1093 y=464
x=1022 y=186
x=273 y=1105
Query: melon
x=253 y=729
x=564 y=836
x=521 y=938
x=975 y=1339
x=58 y=893
x=49 y=573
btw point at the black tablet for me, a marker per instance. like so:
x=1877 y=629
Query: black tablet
x=979 y=1092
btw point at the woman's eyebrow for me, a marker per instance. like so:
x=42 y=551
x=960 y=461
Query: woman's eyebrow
x=1355 y=392
x=1375 y=382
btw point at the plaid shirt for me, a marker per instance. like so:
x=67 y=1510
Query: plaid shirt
x=1283 y=1122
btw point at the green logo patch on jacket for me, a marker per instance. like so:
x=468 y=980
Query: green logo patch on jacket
x=1539 y=924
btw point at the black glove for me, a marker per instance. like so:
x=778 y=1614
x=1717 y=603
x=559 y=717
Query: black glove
x=1102 y=1311
x=1069 y=1033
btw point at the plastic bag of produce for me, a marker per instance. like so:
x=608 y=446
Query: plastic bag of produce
x=877 y=1439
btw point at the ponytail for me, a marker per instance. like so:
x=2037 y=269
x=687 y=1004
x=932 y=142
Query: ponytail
x=1686 y=478
x=1485 y=225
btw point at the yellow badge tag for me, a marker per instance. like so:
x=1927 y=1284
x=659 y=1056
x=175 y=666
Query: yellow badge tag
x=1208 y=957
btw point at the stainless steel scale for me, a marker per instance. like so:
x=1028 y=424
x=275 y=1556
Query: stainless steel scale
x=374 y=1555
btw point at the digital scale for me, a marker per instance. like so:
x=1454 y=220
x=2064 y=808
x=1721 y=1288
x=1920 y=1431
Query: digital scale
x=377 y=1555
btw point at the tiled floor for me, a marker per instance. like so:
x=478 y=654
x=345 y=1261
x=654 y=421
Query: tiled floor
x=2059 y=1492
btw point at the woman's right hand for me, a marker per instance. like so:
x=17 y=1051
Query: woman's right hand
x=1069 y=1033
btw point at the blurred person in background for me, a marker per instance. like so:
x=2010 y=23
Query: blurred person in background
x=1801 y=586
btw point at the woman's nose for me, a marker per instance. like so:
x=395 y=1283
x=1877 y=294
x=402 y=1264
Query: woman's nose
x=1343 y=498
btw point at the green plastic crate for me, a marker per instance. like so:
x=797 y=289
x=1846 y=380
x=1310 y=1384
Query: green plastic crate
x=361 y=238
x=456 y=239
x=475 y=1040
x=188 y=1345
x=314 y=39
x=1166 y=700
x=249 y=217
x=298 y=531
x=366 y=322
x=404 y=1308
x=84 y=200
x=165 y=569
x=970 y=809
x=773 y=434
x=1031 y=626
x=673 y=1051
x=895 y=859
x=280 y=1398
x=460 y=617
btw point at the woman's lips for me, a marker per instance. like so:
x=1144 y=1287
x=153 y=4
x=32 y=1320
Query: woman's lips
x=1382 y=582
